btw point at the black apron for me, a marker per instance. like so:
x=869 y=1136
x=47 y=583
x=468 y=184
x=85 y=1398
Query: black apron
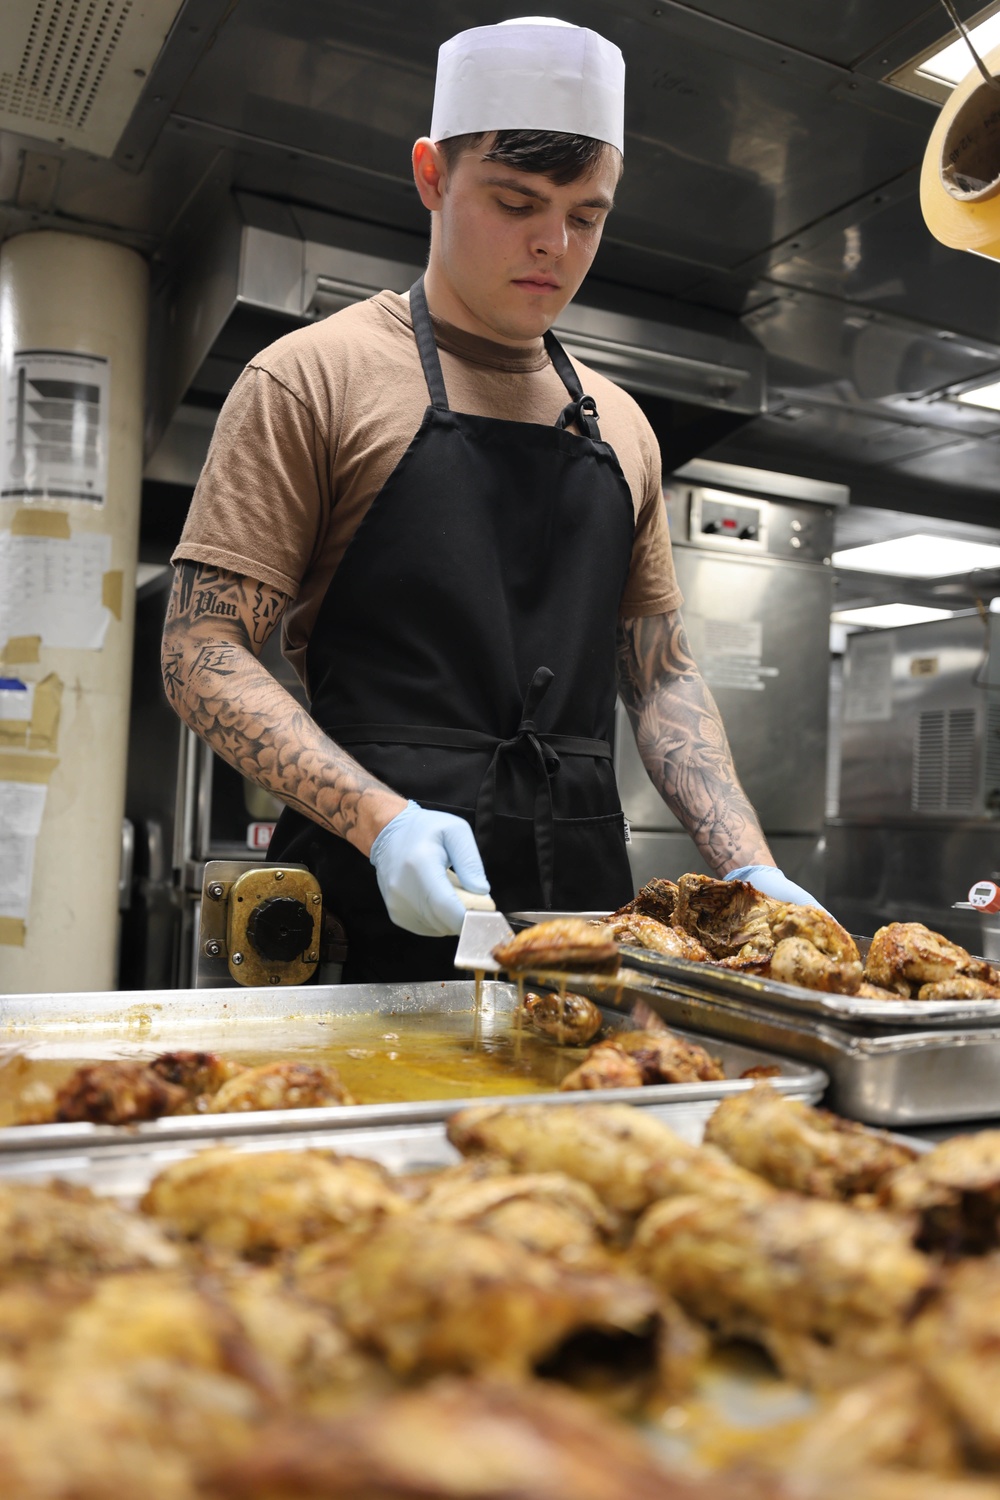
x=464 y=653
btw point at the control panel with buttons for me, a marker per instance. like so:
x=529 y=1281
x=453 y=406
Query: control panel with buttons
x=729 y=520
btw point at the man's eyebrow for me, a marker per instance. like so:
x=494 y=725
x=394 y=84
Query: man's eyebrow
x=512 y=185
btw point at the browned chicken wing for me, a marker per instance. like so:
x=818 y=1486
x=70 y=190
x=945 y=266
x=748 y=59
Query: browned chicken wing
x=666 y=1058
x=457 y=1440
x=906 y=955
x=255 y=1203
x=807 y=1150
x=640 y=931
x=959 y=987
x=570 y=1020
x=826 y=1289
x=197 y=1073
x=281 y=1085
x=562 y=943
x=954 y=1191
x=606 y=1066
x=795 y=960
x=117 y=1093
x=627 y=1156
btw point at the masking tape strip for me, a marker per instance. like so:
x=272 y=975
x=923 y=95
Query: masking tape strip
x=34 y=768
x=41 y=731
x=13 y=932
x=21 y=650
x=111 y=592
x=960 y=177
x=31 y=522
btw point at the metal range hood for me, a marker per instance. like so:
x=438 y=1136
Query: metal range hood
x=257 y=269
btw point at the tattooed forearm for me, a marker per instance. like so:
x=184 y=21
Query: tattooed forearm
x=683 y=744
x=217 y=623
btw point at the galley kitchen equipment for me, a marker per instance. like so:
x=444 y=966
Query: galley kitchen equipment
x=752 y=554
x=920 y=776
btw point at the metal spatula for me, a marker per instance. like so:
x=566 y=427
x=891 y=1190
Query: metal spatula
x=484 y=927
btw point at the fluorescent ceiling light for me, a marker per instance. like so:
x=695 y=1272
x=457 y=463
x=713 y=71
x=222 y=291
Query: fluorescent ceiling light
x=921 y=555
x=888 y=616
x=983 y=395
x=950 y=64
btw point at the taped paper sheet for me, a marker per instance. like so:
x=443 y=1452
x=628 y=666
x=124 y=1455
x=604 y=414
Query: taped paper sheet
x=21 y=807
x=52 y=587
x=55 y=426
x=29 y=713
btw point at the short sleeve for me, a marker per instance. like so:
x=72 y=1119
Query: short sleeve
x=651 y=587
x=263 y=498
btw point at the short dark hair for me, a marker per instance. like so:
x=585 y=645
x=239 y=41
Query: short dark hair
x=560 y=158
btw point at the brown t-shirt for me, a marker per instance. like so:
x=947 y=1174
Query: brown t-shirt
x=317 y=422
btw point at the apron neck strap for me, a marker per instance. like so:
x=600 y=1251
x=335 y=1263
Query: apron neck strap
x=426 y=346
x=580 y=412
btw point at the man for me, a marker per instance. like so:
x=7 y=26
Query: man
x=468 y=560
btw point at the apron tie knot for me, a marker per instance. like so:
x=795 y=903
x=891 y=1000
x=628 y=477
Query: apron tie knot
x=581 y=414
x=546 y=763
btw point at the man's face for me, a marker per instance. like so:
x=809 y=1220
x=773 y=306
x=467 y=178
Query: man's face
x=513 y=247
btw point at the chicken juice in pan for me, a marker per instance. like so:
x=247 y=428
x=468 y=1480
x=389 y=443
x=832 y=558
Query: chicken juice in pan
x=379 y=1058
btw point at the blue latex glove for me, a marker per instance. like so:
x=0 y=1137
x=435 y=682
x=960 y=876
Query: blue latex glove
x=411 y=855
x=771 y=882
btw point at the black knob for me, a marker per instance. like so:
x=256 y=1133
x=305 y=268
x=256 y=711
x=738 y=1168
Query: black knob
x=280 y=929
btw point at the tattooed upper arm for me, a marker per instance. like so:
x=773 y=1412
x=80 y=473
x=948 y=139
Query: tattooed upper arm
x=653 y=652
x=210 y=602
x=212 y=617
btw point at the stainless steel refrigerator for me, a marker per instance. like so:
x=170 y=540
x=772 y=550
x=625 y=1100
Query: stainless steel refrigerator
x=758 y=586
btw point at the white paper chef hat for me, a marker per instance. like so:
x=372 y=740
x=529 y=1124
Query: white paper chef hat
x=534 y=73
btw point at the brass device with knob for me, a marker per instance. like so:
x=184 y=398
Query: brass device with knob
x=262 y=923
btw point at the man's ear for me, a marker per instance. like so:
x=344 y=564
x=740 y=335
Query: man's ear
x=429 y=172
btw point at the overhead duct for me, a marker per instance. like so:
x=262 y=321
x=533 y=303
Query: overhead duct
x=266 y=268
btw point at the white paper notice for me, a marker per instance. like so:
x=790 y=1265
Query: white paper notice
x=21 y=806
x=731 y=655
x=868 y=678
x=52 y=587
x=54 y=426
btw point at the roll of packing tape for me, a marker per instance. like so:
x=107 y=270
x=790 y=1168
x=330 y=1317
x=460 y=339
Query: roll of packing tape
x=960 y=179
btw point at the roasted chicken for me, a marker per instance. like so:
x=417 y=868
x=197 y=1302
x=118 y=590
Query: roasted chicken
x=546 y=1212
x=638 y=931
x=606 y=1066
x=281 y=1085
x=808 y=1150
x=629 y=1158
x=956 y=1343
x=633 y=1058
x=657 y=898
x=562 y=943
x=430 y=1297
x=826 y=1289
x=68 y=1229
x=954 y=1192
x=907 y=956
x=114 y=1093
x=571 y=1020
x=728 y=917
x=256 y=1203
x=457 y=1440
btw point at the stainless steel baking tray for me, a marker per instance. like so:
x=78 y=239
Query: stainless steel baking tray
x=847 y=1009
x=142 y=1023
x=903 y=1079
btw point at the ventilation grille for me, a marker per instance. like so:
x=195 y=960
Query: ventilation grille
x=944 y=762
x=991 y=757
x=72 y=70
